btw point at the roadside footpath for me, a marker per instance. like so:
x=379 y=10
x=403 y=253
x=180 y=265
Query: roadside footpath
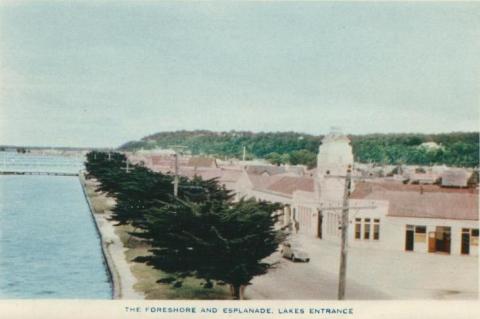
x=123 y=279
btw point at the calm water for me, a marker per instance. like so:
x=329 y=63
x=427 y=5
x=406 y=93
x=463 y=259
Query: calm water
x=49 y=247
x=11 y=161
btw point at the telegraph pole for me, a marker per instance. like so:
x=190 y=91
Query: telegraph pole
x=342 y=275
x=176 y=179
x=344 y=245
x=127 y=166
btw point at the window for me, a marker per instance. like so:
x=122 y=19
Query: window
x=420 y=234
x=420 y=229
x=366 y=229
x=358 y=228
x=376 y=229
x=474 y=240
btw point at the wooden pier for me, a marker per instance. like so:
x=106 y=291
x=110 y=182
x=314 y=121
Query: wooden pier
x=37 y=173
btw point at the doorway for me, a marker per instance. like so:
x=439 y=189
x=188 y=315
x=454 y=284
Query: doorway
x=409 y=238
x=319 y=224
x=431 y=242
x=465 y=241
x=442 y=239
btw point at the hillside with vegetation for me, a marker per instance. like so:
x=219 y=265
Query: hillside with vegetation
x=453 y=149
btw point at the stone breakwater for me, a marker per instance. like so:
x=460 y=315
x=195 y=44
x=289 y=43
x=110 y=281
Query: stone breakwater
x=114 y=253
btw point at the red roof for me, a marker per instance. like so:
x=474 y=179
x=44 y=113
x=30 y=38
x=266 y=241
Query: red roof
x=422 y=201
x=202 y=161
x=289 y=184
x=230 y=175
x=262 y=181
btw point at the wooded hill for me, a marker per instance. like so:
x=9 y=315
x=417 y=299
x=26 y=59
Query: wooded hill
x=456 y=149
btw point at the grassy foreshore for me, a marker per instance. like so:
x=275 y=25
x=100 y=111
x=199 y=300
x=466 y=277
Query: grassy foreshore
x=146 y=277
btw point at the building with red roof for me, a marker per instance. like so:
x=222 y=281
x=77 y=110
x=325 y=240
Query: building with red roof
x=383 y=213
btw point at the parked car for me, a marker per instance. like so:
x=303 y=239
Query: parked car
x=294 y=254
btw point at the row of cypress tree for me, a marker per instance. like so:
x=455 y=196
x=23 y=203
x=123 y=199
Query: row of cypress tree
x=201 y=233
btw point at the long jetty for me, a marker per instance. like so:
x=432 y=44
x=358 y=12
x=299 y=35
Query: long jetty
x=37 y=173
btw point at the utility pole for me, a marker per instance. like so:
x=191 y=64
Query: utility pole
x=342 y=275
x=176 y=179
x=127 y=166
x=344 y=245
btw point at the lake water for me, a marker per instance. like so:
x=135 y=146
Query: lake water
x=49 y=246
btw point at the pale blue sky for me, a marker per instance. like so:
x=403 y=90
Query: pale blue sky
x=100 y=74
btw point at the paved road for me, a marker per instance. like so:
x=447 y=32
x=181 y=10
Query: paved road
x=304 y=281
x=372 y=274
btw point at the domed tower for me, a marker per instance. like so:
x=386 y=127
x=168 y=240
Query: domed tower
x=335 y=157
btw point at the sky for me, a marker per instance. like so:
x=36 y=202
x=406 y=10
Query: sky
x=103 y=73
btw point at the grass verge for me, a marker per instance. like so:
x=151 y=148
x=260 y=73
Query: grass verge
x=146 y=275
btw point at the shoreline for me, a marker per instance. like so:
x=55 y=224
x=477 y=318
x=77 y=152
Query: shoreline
x=113 y=250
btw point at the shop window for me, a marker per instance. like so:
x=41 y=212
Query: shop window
x=421 y=230
x=474 y=240
x=420 y=234
x=442 y=233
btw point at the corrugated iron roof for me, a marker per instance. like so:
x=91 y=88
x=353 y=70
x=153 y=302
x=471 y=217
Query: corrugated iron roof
x=455 y=178
x=289 y=184
x=202 y=161
x=422 y=201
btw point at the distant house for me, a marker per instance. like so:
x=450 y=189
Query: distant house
x=431 y=146
x=424 y=178
x=455 y=178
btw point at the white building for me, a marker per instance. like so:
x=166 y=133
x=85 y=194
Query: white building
x=422 y=218
x=383 y=214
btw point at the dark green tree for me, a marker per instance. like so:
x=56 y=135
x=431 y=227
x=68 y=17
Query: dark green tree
x=213 y=240
x=457 y=149
x=303 y=157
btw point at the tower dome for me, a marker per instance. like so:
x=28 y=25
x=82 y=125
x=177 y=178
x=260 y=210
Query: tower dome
x=334 y=155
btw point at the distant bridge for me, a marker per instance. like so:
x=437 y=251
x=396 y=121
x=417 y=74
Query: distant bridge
x=37 y=173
